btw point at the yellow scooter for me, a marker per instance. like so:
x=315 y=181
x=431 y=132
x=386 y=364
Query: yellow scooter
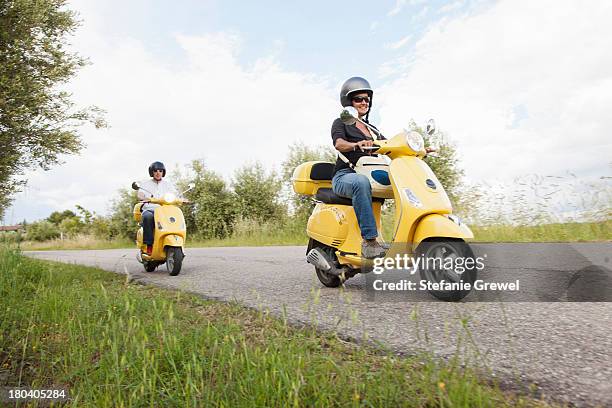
x=169 y=236
x=424 y=225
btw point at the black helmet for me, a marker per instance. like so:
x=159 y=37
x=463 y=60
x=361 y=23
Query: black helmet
x=157 y=166
x=353 y=85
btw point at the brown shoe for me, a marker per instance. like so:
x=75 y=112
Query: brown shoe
x=371 y=249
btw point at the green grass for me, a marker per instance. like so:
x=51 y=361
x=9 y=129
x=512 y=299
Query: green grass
x=253 y=234
x=78 y=242
x=112 y=343
x=568 y=232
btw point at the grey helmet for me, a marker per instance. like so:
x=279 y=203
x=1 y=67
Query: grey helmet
x=157 y=166
x=354 y=85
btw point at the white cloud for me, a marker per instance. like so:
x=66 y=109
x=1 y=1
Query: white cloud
x=205 y=104
x=400 y=43
x=451 y=6
x=418 y=17
x=522 y=88
x=397 y=8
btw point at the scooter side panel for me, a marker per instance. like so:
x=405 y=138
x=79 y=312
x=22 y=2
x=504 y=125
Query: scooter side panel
x=336 y=226
x=139 y=235
x=330 y=224
x=436 y=225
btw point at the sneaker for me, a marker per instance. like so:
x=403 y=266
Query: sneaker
x=372 y=249
x=384 y=244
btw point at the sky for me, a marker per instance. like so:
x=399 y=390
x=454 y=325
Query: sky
x=519 y=87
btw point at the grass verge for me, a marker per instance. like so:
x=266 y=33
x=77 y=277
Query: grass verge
x=78 y=242
x=265 y=236
x=112 y=343
x=567 y=232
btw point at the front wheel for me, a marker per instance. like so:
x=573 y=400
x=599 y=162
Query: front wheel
x=174 y=260
x=443 y=264
x=150 y=266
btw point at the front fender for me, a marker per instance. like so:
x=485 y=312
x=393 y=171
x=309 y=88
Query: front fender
x=173 y=240
x=439 y=226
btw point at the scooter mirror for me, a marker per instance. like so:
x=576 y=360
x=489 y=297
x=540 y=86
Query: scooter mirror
x=190 y=187
x=431 y=127
x=349 y=115
x=135 y=186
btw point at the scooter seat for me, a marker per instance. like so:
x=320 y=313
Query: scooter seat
x=327 y=196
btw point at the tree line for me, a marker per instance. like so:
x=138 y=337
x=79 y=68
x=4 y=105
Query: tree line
x=217 y=206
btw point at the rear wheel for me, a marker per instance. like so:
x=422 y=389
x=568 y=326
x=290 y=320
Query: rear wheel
x=443 y=262
x=328 y=279
x=174 y=260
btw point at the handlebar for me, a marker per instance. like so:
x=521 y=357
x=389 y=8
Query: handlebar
x=162 y=201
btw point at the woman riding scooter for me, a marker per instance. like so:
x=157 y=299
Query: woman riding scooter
x=424 y=229
x=351 y=141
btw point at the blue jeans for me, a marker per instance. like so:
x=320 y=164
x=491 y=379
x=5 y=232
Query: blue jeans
x=349 y=184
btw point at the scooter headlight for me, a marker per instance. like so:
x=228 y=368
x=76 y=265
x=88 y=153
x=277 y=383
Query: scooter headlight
x=414 y=140
x=169 y=197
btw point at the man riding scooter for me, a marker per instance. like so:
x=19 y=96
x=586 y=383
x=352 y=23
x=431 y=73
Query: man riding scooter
x=155 y=187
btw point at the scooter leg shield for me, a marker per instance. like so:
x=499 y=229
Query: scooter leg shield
x=439 y=226
x=173 y=240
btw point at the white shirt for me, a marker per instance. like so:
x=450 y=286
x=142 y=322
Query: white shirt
x=153 y=189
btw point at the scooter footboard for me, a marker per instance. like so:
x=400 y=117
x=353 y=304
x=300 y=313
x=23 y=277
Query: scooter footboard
x=440 y=226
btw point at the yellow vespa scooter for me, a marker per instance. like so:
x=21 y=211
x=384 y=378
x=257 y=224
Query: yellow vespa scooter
x=424 y=225
x=169 y=235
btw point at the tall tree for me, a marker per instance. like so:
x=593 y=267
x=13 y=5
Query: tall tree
x=38 y=121
x=213 y=209
x=298 y=154
x=257 y=193
x=444 y=163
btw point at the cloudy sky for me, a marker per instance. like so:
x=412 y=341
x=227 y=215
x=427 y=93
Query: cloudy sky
x=520 y=87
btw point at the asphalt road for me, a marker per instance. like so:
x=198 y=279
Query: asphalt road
x=541 y=336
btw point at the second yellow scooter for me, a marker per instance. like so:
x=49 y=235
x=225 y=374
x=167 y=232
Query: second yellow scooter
x=424 y=224
x=169 y=236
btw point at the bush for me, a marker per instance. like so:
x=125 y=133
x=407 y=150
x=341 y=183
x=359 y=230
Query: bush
x=257 y=193
x=70 y=227
x=213 y=208
x=121 y=223
x=299 y=153
x=100 y=227
x=42 y=231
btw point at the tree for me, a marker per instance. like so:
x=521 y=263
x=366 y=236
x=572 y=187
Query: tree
x=213 y=208
x=71 y=226
x=38 y=121
x=298 y=154
x=121 y=222
x=444 y=162
x=57 y=217
x=42 y=231
x=257 y=193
